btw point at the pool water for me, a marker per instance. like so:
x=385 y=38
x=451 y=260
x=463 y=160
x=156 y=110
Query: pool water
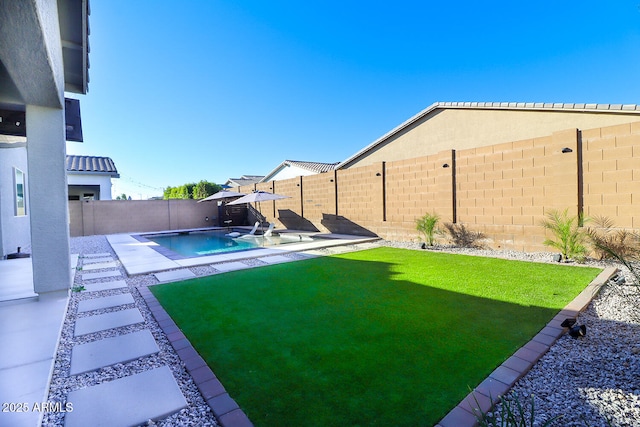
x=213 y=242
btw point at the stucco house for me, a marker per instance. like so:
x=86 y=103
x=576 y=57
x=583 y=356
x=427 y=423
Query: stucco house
x=461 y=125
x=43 y=54
x=89 y=177
x=293 y=168
x=243 y=180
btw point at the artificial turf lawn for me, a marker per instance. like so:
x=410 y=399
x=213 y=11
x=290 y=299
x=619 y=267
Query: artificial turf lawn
x=378 y=337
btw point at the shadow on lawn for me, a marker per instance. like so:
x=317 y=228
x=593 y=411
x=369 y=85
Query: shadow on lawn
x=339 y=341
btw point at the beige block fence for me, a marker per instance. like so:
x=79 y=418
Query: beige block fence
x=502 y=190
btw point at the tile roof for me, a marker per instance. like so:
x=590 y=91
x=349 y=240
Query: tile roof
x=535 y=106
x=91 y=164
x=315 y=167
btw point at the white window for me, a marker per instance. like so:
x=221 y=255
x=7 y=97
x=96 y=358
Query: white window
x=21 y=205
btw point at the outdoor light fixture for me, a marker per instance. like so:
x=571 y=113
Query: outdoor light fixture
x=378 y=174
x=578 y=331
x=331 y=180
x=446 y=165
x=567 y=150
x=567 y=323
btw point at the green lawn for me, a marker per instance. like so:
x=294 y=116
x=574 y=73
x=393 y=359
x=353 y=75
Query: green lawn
x=386 y=336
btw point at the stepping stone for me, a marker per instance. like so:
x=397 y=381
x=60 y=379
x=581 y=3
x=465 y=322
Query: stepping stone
x=96 y=260
x=102 y=322
x=101 y=275
x=170 y=276
x=103 y=286
x=100 y=255
x=277 y=259
x=109 y=351
x=128 y=401
x=99 y=266
x=230 y=266
x=105 y=302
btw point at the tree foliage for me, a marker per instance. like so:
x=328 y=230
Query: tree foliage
x=198 y=190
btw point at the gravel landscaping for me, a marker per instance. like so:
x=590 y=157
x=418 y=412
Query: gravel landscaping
x=587 y=381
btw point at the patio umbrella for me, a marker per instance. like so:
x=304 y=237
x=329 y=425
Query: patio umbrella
x=222 y=195
x=257 y=197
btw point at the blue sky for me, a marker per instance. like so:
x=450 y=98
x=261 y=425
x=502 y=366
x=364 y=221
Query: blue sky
x=184 y=91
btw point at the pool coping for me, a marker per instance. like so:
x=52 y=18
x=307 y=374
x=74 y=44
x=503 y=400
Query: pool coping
x=140 y=258
x=465 y=414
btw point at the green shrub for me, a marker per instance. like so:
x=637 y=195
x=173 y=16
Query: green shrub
x=569 y=237
x=462 y=237
x=427 y=226
x=512 y=414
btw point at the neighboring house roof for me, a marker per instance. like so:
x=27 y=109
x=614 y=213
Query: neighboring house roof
x=91 y=164
x=513 y=106
x=244 y=180
x=313 y=167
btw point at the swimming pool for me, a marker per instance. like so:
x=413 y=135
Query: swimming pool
x=200 y=243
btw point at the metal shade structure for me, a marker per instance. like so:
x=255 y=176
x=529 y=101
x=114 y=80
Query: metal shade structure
x=258 y=196
x=220 y=195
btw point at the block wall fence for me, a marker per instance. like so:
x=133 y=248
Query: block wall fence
x=99 y=217
x=502 y=190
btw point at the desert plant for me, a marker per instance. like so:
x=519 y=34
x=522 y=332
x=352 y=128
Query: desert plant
x=512 y=414
x=427 y=226
x=463 y=237
x=78 y=288
x=569 y=237
x=618 y=244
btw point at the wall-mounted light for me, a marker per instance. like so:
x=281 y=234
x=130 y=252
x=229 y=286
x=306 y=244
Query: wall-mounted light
x=446 y=165
x=378 y=174
x=297 y=185
x=330 y=180
x=567 y=150
x=206 y=218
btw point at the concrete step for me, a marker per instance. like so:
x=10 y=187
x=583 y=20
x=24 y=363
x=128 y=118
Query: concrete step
x=99 y=266
x=96 y=260
x=102 y=322
x=230 y=266
x=103 y=286
x=105 y=302
x=109 y=351
x=100 y=275
x=129 y=401
x=100 y=255
x=174 y=275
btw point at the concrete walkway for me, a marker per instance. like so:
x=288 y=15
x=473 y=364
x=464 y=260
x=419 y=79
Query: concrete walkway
x=128 y=401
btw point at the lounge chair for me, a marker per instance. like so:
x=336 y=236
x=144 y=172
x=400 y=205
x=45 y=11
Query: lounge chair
x=235 y=234
x=257 y=236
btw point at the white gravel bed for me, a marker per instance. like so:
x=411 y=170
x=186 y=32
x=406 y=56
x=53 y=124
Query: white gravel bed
x=589 y=381
x=197 y=413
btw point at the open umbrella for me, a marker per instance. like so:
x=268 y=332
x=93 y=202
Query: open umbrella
x=222 y=195
x=257 y=197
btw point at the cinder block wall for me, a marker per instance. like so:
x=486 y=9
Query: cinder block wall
x=96 y=217
x=503 y=190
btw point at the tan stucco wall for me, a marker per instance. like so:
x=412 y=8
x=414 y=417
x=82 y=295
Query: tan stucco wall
x=459 y=129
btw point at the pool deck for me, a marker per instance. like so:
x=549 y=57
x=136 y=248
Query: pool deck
x=140 y=258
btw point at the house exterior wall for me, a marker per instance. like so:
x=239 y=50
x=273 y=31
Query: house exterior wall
x=461 y=129
x=104 y=181
x=14 y=230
